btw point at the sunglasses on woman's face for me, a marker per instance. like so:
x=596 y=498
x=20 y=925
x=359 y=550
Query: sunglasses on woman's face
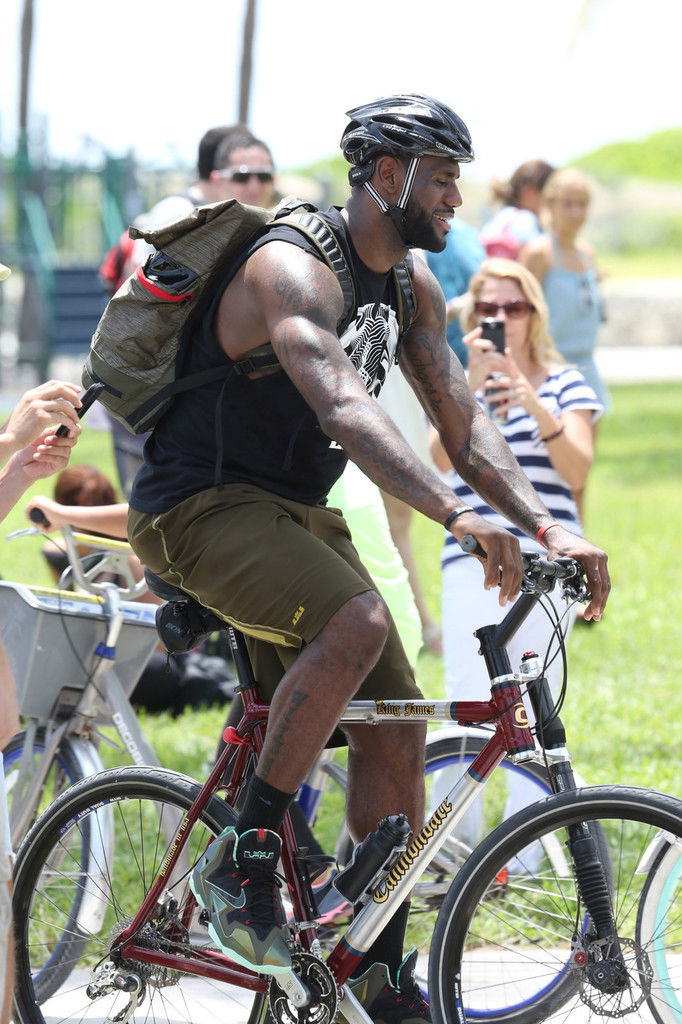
x=240 y=175
x=512 y=310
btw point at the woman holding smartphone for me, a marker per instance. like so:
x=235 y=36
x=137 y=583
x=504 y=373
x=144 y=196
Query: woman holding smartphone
x=546 y=411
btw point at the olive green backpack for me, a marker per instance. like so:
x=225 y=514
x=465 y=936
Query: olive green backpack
x=135 y=347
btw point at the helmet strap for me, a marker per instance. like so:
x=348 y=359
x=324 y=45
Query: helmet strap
x=397 y=212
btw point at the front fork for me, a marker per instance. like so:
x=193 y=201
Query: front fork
x=588 y=863
x=589 y=868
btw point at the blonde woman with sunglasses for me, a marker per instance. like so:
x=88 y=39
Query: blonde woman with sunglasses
x=545 y=411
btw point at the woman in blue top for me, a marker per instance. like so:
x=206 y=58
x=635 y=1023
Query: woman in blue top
x=564 y=265
x=547 y=411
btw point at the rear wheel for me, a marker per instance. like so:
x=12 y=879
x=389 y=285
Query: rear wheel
x=146 y=807
x=515 y=944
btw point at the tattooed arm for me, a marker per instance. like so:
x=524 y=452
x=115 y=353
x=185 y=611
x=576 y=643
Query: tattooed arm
x=475 y=447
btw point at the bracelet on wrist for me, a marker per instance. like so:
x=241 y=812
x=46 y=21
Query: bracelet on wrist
x=457 y=512
x=550 y=437
x=543 y=530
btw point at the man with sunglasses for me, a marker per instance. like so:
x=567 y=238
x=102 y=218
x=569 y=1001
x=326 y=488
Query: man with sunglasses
x=231 y=505
x=232 y=164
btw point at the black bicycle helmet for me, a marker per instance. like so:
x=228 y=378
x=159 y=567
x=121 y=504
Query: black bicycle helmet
x=410 y=125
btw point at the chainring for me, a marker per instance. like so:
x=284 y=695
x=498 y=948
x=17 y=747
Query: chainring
x=324 y=1004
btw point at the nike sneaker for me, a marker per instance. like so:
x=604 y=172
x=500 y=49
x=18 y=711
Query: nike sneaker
x=236 y=883
x=387 y=1003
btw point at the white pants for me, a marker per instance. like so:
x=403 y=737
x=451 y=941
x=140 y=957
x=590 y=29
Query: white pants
x=467 y=606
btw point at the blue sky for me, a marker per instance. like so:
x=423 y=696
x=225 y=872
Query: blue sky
x=534 y=78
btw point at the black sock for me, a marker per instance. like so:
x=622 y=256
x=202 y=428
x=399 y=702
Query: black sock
x=387 y=948
x=262 y=806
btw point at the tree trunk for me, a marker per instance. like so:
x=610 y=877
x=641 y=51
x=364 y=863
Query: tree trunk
x=246 y=68
x=26 y=46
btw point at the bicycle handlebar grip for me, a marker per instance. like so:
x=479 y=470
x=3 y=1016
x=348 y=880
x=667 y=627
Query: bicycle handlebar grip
x=36 y=515
x=469 y=544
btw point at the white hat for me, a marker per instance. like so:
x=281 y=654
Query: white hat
x=4 y=271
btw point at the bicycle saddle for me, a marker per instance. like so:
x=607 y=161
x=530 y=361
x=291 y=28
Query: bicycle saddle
x=182 y=623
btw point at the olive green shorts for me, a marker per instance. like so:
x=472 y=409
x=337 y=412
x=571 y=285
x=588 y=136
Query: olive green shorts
x=276 y=569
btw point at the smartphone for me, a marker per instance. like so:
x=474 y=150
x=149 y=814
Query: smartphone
x=493 y=330
x=87 y=399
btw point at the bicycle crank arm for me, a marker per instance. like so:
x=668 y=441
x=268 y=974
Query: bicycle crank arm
x=351 y=1009
x=296 y=992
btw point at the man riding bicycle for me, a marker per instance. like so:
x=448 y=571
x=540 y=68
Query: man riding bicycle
x=230 y=506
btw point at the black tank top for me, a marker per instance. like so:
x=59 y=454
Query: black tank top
x=262 y=431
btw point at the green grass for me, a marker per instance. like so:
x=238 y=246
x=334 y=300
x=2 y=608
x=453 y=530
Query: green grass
x=624 y=706
x=641 y=263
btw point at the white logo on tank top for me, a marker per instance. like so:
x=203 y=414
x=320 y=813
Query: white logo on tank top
x=370 y=342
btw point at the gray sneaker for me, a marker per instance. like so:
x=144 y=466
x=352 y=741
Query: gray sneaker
x=387 y=1003
x=235 y=882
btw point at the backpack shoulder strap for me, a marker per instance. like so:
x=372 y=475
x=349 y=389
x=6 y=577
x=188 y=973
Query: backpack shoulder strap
x=316 y=229
x=407 y=300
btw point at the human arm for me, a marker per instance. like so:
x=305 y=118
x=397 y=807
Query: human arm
x=109 y=520
x=454 y=307
x=536 y=256
x=51 y=404
x=9 y=711
x=568 y=436
x=48 y=455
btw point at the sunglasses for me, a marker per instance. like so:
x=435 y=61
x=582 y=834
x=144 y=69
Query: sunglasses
x=240 y=175
x=512 y=310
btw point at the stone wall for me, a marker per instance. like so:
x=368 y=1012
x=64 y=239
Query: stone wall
x=642 y=312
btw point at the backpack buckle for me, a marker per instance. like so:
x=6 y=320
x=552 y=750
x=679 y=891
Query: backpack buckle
x=245 y=367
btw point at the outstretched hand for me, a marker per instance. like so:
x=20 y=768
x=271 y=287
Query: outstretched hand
x=52 y=404
x=49 y=454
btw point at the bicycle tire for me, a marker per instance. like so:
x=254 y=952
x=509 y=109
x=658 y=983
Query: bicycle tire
x=659 y=928
x=66 y=760
x=64 y=773
x=511 y=951
x=146 y=805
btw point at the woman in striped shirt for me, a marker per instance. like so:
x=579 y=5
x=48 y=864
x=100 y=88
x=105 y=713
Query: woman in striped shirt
x=547 y=411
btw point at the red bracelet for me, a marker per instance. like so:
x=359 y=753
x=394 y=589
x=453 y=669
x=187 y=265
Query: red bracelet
x=543 y=530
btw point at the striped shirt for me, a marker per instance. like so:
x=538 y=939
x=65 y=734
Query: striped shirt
x=564 y=390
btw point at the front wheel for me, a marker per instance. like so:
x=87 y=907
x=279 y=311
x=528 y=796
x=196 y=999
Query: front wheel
x=145 y=807
x=513 y=941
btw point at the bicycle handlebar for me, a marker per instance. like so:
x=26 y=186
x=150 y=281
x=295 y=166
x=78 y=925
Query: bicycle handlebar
x=539 y=574
x=107 y=555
